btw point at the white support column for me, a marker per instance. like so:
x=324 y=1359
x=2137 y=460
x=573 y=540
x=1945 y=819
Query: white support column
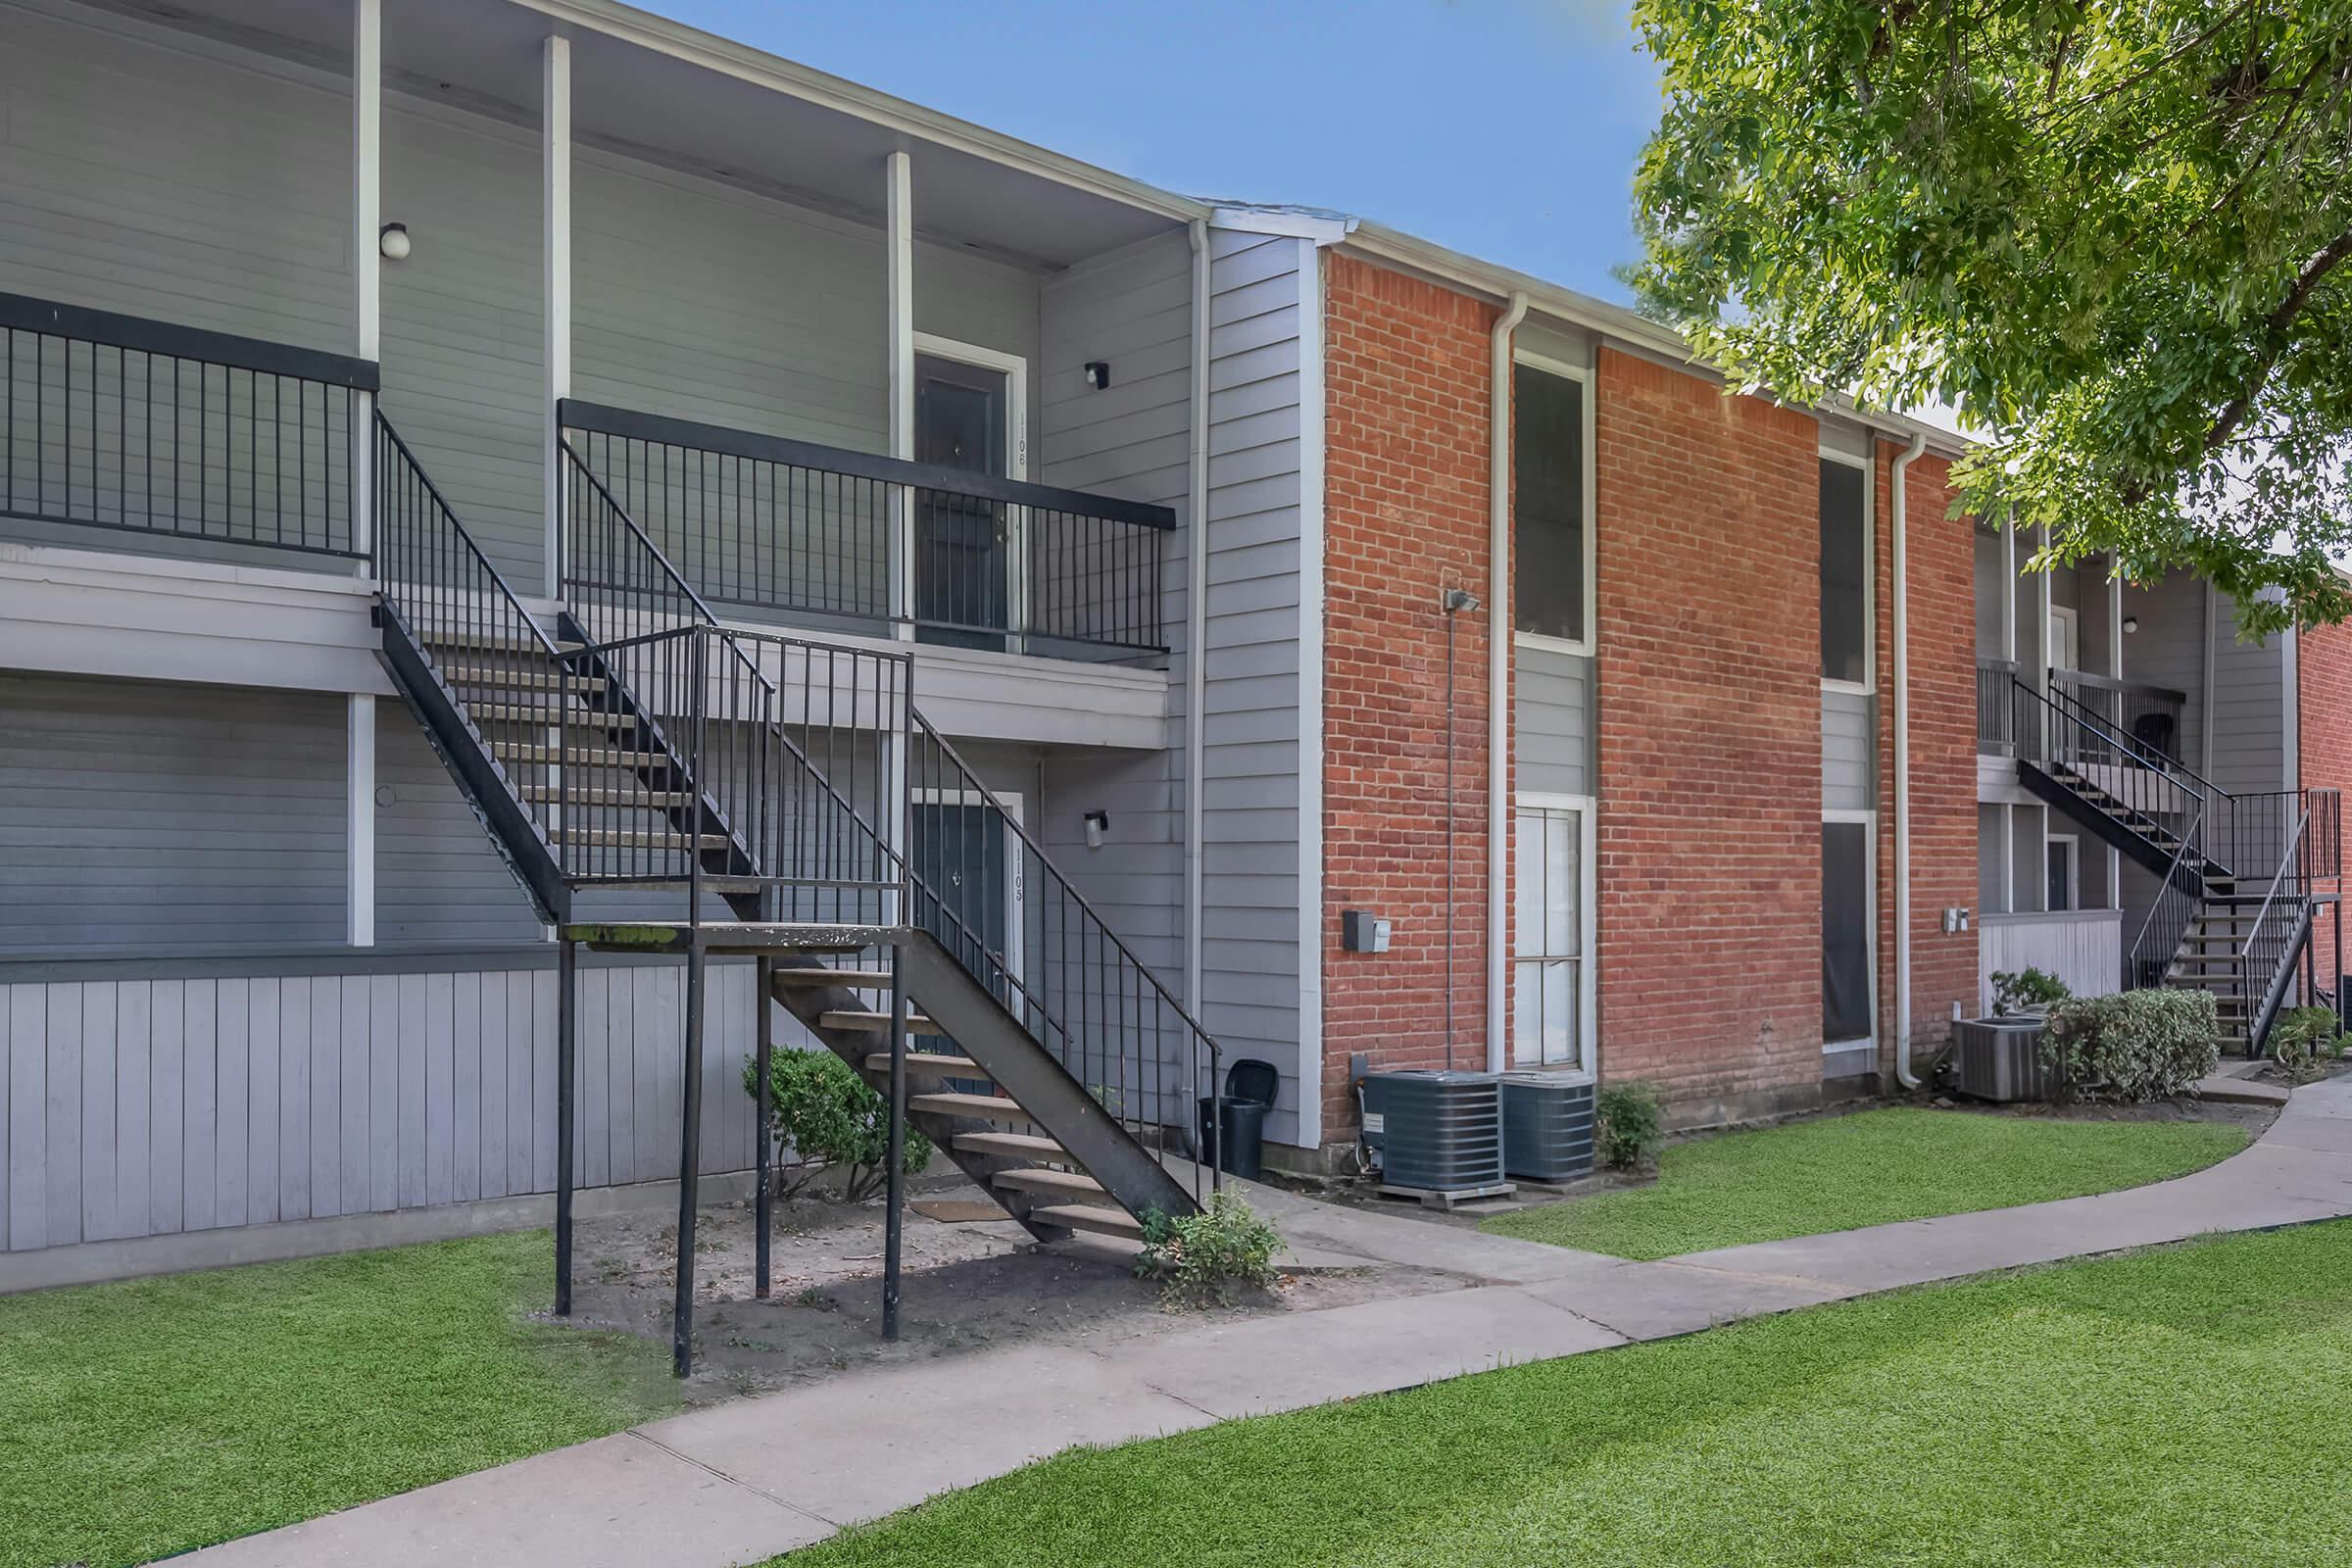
x=359 y=772
x=556 y=295
x=366 y=258
x=898 y=204
x=2042 y=636
x=2009 y=594
x=2115 y=667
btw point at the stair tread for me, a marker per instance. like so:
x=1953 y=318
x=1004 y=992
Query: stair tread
x=1087 y=1217
x=929 y=1061
x=995 y=1108
x=649 y=800
x=868 y=1021
x=846 y=979
x=579 y=755
x=729 y=936
x=1012 y=1146
x=531 y=713
x=499 y=641
x=539 y=679
x=1066 y=1183
x=632 y=838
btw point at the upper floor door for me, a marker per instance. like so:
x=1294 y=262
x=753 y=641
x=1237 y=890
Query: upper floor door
x=964 y=545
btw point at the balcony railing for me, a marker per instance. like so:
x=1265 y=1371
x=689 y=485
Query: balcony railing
x=767 y=524
x=2148 y=716
x=120 y=422
x=1996 y=709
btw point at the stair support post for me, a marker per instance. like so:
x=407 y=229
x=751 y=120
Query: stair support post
x=894 y=1222
x=763 y=1055
x=690 y=1149
x=566 y=1072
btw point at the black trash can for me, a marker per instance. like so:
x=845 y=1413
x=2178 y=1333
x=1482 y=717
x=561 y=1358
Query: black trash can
x=1239 y=1145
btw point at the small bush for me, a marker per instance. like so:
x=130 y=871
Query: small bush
x=2134 y=1045
x=1628 y=1125
x=2016 y=990
x=830 y=1116
x=2306 y=1042
x=1206 y=1257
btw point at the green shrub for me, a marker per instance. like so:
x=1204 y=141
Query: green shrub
x=1208 y=1256
x=2306 y=1042
x=1628 y=1125
x=2016 y=990
x=2134 y=1045
x=830 y=1117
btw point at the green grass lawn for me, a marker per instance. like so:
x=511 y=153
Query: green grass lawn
x=150 y=1417
x=1839 y=1173
x=2181 y=1406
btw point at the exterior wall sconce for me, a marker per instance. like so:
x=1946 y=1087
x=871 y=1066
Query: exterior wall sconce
x=393 y=240
x=2131 y=624
x=1098 y=374
x=1097 y=824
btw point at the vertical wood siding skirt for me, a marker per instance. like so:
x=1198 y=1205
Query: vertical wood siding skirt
x=149 y=1108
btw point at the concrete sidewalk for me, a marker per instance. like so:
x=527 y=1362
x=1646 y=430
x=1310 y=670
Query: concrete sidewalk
x=741 y=1482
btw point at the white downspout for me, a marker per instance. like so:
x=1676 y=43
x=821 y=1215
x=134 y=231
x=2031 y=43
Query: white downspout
x=1498 y=669
x=1195 y=605
x=1903 y=773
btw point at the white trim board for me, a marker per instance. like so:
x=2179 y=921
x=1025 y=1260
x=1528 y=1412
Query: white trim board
x=1311 y=478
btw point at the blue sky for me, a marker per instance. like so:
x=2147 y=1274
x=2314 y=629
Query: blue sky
x=1507 y=128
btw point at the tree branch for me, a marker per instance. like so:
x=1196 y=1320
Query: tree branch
x=2275 y=336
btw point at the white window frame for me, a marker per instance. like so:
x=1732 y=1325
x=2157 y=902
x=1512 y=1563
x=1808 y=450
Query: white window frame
x=1868 y=685
x=1588 y=959
x=1870 y=862
x=2074 y=871
x=1016 y=371
x=1581 y=646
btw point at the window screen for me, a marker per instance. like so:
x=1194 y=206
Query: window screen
x=1845 y=915
x=1548 y=981
x=1548 y=506
x=1844 y=573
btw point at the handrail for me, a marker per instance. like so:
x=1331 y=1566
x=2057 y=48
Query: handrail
x=386 y=550
x=2293 y=844
x=2116 y=683
x=635 y=425
x=924 y=727
x=677 y=578
x=144 y=335
x=2155 y=762
x=2171 y=875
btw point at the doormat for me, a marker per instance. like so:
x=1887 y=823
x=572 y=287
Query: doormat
x=957 y=1210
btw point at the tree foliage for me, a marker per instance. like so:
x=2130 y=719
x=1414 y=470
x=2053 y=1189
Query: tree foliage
x=2116 y=236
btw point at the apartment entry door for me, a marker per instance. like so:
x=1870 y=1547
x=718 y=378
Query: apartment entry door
x=965 y=418
x=966 y=851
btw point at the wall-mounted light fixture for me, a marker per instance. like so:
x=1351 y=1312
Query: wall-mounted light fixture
x=1098 y=374
x=393 y=240
x=1097 y=824
x=2131 y=623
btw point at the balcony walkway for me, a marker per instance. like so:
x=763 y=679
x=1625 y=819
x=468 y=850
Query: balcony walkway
x=739 y=1482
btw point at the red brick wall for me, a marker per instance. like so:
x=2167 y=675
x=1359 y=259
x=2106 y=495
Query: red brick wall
x=1405 y=426
x=1944 y=754
x=1709 y=666
x=2323 y=744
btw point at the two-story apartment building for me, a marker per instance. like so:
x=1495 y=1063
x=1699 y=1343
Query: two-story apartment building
x=477 y=466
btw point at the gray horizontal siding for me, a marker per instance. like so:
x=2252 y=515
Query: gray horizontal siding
x=146 y=1107
x=1250 y=958
x=1551 y=721
x=142 y=817
x=1848 y=751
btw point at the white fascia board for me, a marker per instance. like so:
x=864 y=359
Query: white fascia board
x=1324 y=229
x=762 y=69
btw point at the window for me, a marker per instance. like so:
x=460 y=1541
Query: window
x=1844 y=573
x=1846 y=921
x=1547 y=505
x=2062 y=859
x=1549 y=980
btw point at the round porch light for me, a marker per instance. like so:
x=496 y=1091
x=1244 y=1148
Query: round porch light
x=393 y=240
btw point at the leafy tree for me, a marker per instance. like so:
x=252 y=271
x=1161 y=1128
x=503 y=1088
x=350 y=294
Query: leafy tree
x=2118 y=236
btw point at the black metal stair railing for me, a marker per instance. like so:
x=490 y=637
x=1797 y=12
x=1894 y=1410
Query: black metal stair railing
x=1047 y=956
x=769 y=525
x=2178 y=898
x=120 y=422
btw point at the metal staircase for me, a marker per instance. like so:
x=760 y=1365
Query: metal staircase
x=661 y=783
x=2241 y=875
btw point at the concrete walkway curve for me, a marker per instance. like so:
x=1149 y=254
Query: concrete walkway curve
x=741 y=1482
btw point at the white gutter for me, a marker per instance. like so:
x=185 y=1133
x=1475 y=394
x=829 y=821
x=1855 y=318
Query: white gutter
x=1499 y=668
x=1902 y=772
x=1196 y=604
